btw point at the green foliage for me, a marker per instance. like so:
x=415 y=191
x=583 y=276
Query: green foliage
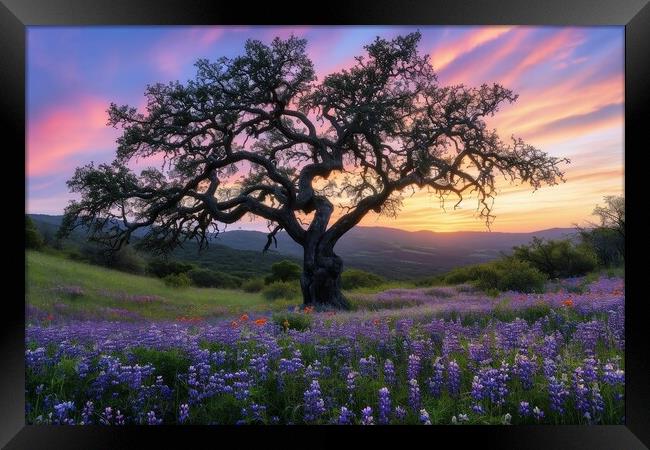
x=557 y=258
x=606 y=243
x=507 y=274
x=211 y=278
x=294 y=321
x=177 y=280
x=33 y=239
x=125 y=259
x=281 y=290
x=162 y=267
x=253 y=285
x=355 y=278
x=284 y=270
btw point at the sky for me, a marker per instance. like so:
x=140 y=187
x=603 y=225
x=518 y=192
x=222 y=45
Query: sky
x=570 y=83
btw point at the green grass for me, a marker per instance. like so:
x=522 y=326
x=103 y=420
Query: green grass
x=102 y=288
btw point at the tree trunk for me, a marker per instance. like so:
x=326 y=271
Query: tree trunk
x=321 y=278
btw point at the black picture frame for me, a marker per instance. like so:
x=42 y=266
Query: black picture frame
x=16 y=15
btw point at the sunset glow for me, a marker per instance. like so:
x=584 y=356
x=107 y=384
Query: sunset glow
x=570 y=83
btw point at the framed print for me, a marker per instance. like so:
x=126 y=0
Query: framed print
x=374 y=220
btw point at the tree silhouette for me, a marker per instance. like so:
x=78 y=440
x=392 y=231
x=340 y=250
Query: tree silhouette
x=382 y=127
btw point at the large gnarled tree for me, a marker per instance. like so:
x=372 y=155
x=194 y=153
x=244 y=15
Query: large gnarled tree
x=374 y=131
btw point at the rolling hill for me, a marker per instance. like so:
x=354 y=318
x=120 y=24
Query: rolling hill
x=390 y=252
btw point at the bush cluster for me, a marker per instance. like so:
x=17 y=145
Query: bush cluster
x=281 y=290
x=507 y=274
x=355 y=278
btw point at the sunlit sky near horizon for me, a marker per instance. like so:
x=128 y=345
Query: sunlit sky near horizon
x=570 y=83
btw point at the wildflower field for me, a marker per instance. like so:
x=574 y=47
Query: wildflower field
x=447 y=355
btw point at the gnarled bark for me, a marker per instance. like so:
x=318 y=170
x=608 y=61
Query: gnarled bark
x=321 y=278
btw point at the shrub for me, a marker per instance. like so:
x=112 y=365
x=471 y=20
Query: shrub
x=294 y=321
x=177 y=280
x=284 y=270
x=355 y=278
x=557 y=259
x=33 y=238
x=282 y=289
x=211 y=278
x=606 y=243
x=510 y=274
x=161 y=267
x=253 y=285
x=126 y=260
x=507 y=274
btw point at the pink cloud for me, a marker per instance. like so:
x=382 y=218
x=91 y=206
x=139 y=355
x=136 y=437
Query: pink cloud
x=472 y=71
x=65 y=131
x=446 y=52
x=550 y=48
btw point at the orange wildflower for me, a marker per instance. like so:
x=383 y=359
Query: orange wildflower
x=49 y=317
x=261 y=321
x=234 y=324
x=244 y=317
x=568 y=303
x=309 y=309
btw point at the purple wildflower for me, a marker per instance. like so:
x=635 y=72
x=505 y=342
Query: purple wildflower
x=366 y=416
x=314 y=404
x=384 y=406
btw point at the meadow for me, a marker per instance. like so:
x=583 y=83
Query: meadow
x=105 y=347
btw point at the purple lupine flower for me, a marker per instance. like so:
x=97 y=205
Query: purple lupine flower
x=524 y=368
x=152 y=420
x=384 y=406
x=549 y=368
x=435 y=382
x=389 y=372
x=558 y=394
x=346 y=417
x=368 y=366
x=351 y=385
x=424 y=417
x=597 y=402
x=414 y=394
x=538 y=414
x=589 y=371
x=612 y=375
x=119 y=418
x=314 y=404
x=453 y=374
x=87 y=412
x=313 y=370
x=400 y=413
x=254 y=413
x=366 y=416
x=62 y=410
x=107 y=416
x=183 y=413
x=524 y=409
x=413 y=367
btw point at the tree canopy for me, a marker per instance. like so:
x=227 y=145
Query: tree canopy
x=259 y=134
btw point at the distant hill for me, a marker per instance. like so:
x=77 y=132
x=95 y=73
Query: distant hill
x=390 y=252
x=403 y=254
x=242 y=263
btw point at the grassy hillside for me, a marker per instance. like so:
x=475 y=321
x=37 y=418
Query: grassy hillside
x=70 y=289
